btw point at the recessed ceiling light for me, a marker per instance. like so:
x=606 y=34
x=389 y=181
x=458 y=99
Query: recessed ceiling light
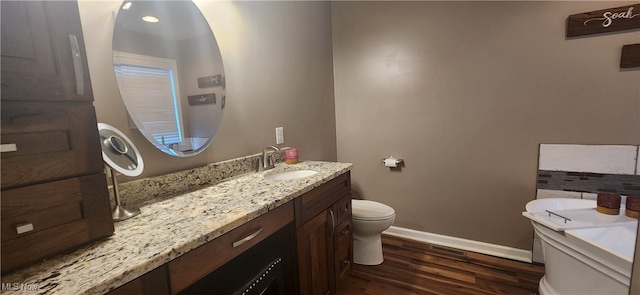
x=126 y=6
x=150 y=19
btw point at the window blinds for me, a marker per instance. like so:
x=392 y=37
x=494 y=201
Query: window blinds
x=149 y=87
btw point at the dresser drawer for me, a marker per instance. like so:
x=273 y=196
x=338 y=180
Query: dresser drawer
x=321 y=198
x=48 y=141
x=42 y=220
x=196 y=264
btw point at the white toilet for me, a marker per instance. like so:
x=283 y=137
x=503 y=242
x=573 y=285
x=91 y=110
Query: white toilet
x=370 y=219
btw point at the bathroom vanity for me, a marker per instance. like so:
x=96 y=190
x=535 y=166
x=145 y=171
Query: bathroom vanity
x=182 y=241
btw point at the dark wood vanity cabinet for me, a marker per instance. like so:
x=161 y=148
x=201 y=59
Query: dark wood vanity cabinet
x=324 y=236
x=54 y=191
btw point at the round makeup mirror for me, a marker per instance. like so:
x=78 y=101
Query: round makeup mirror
x=121 y=156
x=170 y=75
x=119 y=152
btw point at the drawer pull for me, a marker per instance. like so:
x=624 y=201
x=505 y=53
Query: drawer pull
x=247 y=238
x=77 y=64
x=333 y=221
x=24 y=228
x=344 y=232
x=346 y=262
x=343 y=210
x=8 y=147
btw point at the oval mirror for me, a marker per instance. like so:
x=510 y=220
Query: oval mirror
x=170 y=75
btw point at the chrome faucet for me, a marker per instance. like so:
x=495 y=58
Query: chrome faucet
x=266 y=160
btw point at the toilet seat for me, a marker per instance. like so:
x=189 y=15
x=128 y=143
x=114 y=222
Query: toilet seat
x=370 y=210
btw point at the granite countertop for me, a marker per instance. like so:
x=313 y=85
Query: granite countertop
x=165 y=230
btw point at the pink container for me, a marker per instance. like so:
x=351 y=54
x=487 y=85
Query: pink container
x=291 y=156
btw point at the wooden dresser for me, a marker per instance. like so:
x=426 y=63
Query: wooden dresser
x=54 y=191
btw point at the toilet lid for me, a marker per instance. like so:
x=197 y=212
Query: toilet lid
x=370 y=210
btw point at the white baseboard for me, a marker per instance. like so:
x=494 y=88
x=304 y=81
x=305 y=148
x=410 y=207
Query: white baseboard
x=462 y=244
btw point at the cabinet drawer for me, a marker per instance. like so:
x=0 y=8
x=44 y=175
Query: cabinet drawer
x=37 y=246
x=343 y=234
x=196 y=264
x=43 y=206
x=343 y=263
x=342 y=208
x=52 y=141
x=321 y=198
x=42 y=220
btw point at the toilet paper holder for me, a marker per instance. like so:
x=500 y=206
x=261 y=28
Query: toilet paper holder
x=392 y=162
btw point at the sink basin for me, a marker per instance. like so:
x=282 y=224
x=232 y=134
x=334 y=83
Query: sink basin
x=287 y=175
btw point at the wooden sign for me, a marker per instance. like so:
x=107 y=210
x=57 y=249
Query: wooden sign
x=199 y=99
x=210 y=81
x=604 y=21
x=630 y=56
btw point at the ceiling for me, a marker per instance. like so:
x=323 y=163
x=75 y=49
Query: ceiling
x=179 y=20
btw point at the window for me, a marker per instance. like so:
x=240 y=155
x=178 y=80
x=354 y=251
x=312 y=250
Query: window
x=149 y=87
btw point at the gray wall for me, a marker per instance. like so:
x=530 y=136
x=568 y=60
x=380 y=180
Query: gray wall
x=278 y=63
x=465 y=92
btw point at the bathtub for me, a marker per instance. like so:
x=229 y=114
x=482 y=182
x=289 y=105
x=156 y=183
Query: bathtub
x=591 y=255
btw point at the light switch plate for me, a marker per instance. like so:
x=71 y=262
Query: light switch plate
x=279 y=135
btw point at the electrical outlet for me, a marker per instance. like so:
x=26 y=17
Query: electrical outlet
x=279 y=135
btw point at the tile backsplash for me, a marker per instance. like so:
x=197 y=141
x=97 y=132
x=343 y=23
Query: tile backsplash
x=149 y=190
x=583 y=171
x=588 y=182
x=569 y=169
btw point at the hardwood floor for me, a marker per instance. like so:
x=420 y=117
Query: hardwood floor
x=413 y=267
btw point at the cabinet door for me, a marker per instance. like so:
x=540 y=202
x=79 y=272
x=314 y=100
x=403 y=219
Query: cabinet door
x=315 y=255
x=43 y=55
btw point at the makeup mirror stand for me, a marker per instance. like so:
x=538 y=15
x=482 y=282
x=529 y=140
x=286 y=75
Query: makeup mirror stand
x=120 y=155
x=120 y=212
